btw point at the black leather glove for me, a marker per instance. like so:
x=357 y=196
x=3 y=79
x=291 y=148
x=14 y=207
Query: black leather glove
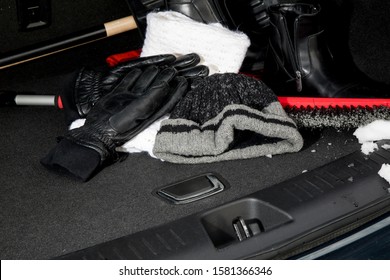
x=141 y=97
x=87 y=86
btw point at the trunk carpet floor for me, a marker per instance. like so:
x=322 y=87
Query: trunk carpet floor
x=45 y=214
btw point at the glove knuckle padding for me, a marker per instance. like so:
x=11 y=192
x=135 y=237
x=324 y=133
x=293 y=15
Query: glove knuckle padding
x=87 y=90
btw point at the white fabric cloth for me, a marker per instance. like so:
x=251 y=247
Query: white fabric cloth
x=143 y=142
x=221 y=49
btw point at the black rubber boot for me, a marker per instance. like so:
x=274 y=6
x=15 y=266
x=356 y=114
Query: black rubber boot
x=299 y=61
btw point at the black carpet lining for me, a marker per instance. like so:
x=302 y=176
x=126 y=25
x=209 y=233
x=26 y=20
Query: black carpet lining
x=45 y=214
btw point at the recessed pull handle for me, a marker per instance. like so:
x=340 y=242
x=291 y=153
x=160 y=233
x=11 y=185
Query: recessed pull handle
x=245 y=229
x=241 y=229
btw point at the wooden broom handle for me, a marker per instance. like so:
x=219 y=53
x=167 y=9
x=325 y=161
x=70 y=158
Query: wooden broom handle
x=120 y=25
x=67 y=42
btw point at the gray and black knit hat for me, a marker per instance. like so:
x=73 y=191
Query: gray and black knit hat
x=226 y=117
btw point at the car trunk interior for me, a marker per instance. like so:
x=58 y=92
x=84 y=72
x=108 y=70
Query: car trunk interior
x=307 y=197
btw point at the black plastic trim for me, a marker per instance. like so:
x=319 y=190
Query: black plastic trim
x=296 y=215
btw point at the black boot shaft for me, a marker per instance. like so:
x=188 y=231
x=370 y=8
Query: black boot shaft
x=299 y=61
x=288 y=59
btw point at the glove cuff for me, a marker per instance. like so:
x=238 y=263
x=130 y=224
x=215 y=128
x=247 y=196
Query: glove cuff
x=87 y=90
x=80 y=161
x=103 y=144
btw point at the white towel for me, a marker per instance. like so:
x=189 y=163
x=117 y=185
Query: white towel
x=221 y=49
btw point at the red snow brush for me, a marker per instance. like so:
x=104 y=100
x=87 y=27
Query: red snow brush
x=339 y=113
x=307 y=112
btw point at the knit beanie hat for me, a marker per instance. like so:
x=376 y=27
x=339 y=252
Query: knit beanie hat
x=226 y=117
x=219 y=48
